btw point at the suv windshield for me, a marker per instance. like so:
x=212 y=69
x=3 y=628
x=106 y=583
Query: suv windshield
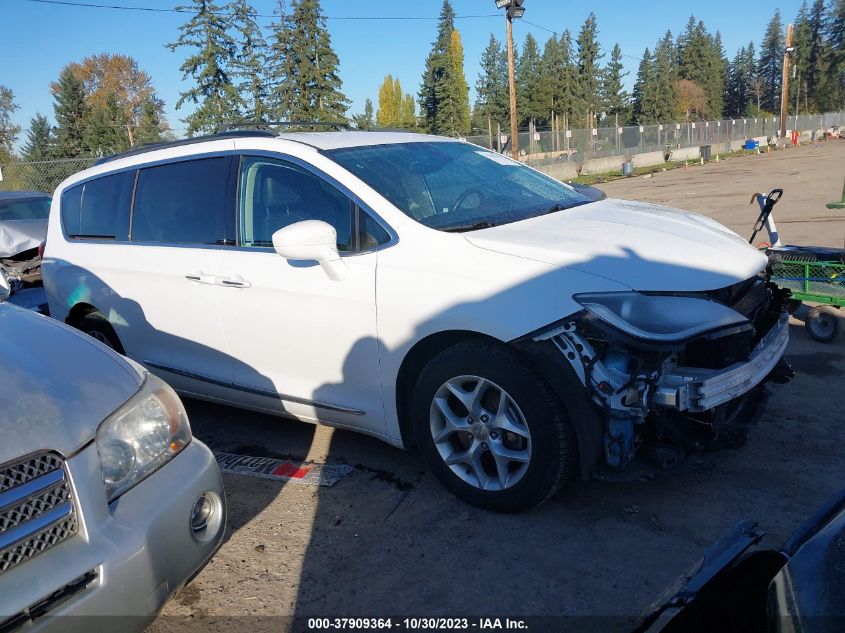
x=25 y=209
x=456 y=186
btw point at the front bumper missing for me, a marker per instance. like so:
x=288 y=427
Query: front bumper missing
x=697 y=390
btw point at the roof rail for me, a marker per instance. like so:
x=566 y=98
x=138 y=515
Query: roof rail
x=266 y=125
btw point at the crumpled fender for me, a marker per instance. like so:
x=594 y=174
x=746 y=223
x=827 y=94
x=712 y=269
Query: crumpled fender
x=17 y=236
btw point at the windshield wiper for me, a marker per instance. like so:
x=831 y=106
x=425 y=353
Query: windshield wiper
x=461 y=228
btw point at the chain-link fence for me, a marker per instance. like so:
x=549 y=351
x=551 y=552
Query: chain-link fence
x=579 y=145
x=538 y=147
x=40 y=175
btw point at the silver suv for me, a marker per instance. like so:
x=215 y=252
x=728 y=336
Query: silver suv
x=107 y=505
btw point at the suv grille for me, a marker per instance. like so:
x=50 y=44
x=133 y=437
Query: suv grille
x=36 y=508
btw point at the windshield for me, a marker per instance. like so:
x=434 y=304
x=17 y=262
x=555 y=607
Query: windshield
x=25 y=209
x=456 y=186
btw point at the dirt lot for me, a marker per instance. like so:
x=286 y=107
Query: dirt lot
x=388 y=540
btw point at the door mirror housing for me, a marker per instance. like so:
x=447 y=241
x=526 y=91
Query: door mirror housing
x=311 y=240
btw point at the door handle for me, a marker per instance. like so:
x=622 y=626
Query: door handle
x=233 y=282
x=200 y=278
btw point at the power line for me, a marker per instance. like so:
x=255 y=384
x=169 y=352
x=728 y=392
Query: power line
x=555 y=33
x=93 y=5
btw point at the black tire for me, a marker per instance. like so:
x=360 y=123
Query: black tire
x=822 y=323
x=550 y=460
x=97 y=326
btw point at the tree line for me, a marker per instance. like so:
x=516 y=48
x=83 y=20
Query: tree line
x=235 y=70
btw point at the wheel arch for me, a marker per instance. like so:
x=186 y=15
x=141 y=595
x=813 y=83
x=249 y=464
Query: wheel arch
x=413 y=363
x=79 y=312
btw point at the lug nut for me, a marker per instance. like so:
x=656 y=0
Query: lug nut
x=469 y=436
x=484 y=418
x=494 y=435
x=470 y=420
x=484 y=445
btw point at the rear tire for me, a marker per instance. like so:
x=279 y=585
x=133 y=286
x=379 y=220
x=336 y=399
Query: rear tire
x=822 y=324
x=490 y=428
x=97 y=327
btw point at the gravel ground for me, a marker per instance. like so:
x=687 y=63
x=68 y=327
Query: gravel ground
x=388 y=540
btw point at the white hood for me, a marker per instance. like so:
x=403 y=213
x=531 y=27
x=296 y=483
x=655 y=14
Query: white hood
x=17 y=236
x=647 y=247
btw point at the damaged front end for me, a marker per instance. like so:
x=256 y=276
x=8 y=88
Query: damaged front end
x=669 y=373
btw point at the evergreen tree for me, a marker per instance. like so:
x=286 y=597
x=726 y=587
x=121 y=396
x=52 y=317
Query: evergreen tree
x=565 y=87
x=106 y=129
x=436 y=66
x=281 y=65
x=834 y=31
x=364 y=120
x=739 y=91
x=444 y=94
x=589 y=73
x=770 y=66
x=209 y=66
x=665 y=75
x=801 y=41
x=819 y=58
x=71 y=113
x=313 y=87
x=615 y=99
x=530 y=85
x=643 y=87
x=151 y=127
x=491 y=88
x=700 y=59
x=250 y=62
x=39 y=139
x=8 y=130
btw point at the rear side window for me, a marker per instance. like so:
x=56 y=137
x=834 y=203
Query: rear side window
x=27 y=209
x=99 y=208
x=183 y=203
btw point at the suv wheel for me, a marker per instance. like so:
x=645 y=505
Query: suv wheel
x=97 y=327
x=489 y=427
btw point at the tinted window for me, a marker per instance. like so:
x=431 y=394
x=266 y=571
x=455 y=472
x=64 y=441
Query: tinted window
x=27 y=209
x=274 y=194
x=99 y=208
x=370 y=233
x=454 y=185
x=182 y=203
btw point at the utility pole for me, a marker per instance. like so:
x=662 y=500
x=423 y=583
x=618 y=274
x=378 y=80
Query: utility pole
x=784 y=88
x=514 y=9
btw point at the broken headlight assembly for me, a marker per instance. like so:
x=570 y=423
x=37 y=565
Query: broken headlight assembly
x=141 y=436
x=659 y=318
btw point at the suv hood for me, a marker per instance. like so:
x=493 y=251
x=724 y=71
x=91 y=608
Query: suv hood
x=646 y=247
x=56 y=385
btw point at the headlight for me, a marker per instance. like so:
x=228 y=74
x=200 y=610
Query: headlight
x=659 y=317
x=141 y=436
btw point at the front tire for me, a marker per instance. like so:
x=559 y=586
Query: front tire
x=97 y=327
x=489 y=427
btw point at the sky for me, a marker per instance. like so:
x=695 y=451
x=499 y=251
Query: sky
x=39 y=39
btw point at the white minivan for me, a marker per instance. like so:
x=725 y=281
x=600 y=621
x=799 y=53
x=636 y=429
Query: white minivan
x=424 y=291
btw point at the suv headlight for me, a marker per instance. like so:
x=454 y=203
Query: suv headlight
x=659 y=317
x=141 y=436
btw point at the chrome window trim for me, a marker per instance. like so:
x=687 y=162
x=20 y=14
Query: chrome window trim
x=137 y=168
x=253 y=390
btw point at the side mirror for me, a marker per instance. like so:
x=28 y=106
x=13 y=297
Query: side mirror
x=5 y=290
x=311 y=240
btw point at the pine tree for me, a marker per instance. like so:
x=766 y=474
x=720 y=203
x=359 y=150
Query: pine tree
x=310 y=88
x=802 y=42
x=281 y=65
x=39 y=139
x=250 y=62
x=835 y=37
x=444 y=94
x=491 y=87
x=700 y=59
x=530 y=86
x=770 y=65
x=71 y=114
x=818 y=75
x=615 y=99
x=739 y=88
x=8 y=130
x=364 y=120
x=151 y=128
x=589 y=73
x=209 y=67
x=662 y=94
x=106 y=129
